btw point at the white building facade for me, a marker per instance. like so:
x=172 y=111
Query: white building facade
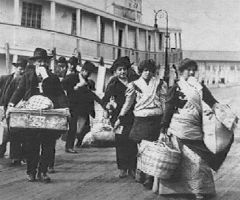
x=217 y=67
x=107 y=30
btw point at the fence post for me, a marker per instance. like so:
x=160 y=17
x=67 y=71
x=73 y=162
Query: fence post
x=8 y=62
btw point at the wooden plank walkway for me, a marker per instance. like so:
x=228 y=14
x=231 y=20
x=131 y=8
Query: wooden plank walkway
x=92 y=174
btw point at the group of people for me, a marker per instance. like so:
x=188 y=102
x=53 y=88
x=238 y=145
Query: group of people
x=69 y=88
x=148 y=109
x=140 y=106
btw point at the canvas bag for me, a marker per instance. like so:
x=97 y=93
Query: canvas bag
x=217 y=135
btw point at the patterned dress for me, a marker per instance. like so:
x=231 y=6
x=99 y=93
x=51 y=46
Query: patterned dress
x=183 y=120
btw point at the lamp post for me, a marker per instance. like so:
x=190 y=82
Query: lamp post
x=166 y=71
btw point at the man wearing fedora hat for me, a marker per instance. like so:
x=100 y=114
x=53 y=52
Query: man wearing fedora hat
x=81 y=99
x=39 y=81
x=8 y=84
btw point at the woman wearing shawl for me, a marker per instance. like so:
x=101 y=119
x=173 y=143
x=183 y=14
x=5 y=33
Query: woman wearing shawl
x=148 y=93
x=183 y=120
x=114 y=99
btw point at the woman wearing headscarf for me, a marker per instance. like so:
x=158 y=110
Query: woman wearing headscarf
x=183 y=120
x=147 y=95
x=126 y=149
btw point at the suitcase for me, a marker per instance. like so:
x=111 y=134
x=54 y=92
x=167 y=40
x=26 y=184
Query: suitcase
x=52 y=119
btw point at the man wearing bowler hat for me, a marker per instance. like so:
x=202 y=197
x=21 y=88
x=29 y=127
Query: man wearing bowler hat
x=39 y=81
x=8 y=84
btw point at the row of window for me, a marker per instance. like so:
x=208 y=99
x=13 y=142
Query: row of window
x=32 y=14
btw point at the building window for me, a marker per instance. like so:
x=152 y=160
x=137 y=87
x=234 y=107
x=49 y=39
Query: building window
x=74 y=24
x=149 y=42
x=102 y=31
x=232 y=68
x=160 y=41
x=31 y=15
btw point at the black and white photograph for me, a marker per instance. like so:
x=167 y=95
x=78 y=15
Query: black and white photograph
x=119 y=99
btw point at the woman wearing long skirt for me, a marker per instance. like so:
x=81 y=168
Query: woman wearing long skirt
x=147 y=93
x=183 y=120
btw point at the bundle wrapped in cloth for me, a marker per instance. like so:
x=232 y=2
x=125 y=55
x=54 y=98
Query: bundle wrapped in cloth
x=36 y=102
x=218 y=127
x=38 y=113
x=100 y=136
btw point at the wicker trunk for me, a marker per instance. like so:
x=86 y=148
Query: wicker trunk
x=53 y=119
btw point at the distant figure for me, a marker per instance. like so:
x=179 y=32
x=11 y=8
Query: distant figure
x=62 y=67
x=72 y=65
x=8 y=85
x=81 y=100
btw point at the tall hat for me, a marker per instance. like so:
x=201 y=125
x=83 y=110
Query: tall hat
x=21 y=62
x=40 y=53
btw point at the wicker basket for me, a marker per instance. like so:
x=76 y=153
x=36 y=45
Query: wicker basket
x=53 y=119
x=158 y=159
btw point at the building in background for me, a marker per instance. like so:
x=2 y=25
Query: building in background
x=99 y=30
x=217 y=67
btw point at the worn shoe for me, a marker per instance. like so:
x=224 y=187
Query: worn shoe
x=70 y=151
x=122 y=173
x=15 y=163
x=131 y=173
x=148 y=183
x=31 y=177
x=43 y=177
x=51 y=170
x=139 y=176
x=46 y=178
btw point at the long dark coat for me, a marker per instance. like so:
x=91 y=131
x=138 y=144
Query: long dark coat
x=8 y=85
x=51 y=86
x=81 y=100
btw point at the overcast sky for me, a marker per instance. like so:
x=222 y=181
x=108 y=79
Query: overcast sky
x=205 y=24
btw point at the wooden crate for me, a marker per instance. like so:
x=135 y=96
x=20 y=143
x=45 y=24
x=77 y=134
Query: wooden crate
x=53 y=119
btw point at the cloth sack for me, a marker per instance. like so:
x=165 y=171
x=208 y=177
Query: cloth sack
x=39 y=102
x=225 y=115
x=99 y=136
x=158 y=159
x=217 y=135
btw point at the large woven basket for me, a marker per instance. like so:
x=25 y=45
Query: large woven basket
x=158 y=159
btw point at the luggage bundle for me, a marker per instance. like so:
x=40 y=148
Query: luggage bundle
x=38 y=113
x=218 y=127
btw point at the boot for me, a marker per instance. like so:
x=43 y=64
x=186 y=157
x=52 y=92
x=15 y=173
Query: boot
x=122 y=173
x=131 y=173
x=139 y=176
x=148 y=183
